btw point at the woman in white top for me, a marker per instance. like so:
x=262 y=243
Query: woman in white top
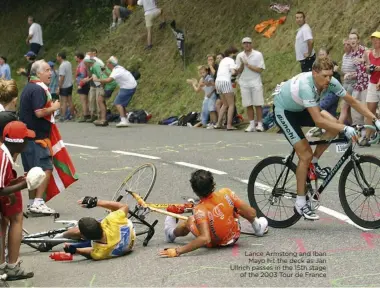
x=223 y=85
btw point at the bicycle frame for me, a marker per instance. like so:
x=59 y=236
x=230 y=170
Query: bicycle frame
x=338 y=165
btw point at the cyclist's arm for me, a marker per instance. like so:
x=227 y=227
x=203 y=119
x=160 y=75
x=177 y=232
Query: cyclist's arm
x=246 y=212
x=321 y=122
x=113 y=205
x=86 y=252
x=202 y=240
x=359 y=107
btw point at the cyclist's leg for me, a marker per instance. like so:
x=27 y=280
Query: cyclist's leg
x=328 y=135
x=290 y=123
x=372 y=106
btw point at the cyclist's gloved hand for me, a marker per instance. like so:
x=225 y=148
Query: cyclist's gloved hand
x=377 y=124
x=70 y=249
x=351 y=133
x=89 y=202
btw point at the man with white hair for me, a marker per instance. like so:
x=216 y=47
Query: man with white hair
x=127 y=84
x=33 y=113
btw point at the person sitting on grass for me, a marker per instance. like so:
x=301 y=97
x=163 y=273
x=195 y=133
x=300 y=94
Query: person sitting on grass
x=215 y=221
x=111 y=237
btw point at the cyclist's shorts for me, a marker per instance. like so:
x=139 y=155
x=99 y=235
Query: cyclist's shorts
x=291 y=123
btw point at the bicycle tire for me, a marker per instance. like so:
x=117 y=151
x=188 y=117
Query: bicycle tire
x=251 y=191
x=147 y=193
x=342 y=192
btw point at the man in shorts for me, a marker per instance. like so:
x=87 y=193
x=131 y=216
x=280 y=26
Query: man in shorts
x=113 y=236
x=120 y=13
x=65 y=85
x=215 y=221
x=296 y=104
x=127 y=84
x=151 y=12
x=251 y=65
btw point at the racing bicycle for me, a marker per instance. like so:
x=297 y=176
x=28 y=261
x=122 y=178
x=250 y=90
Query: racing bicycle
x=275 y=200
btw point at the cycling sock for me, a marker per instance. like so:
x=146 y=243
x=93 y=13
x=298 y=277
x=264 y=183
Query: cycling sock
x=315 y=160
x=38 y=201
x=31 y=201
x=252 y=123
x=301 y=201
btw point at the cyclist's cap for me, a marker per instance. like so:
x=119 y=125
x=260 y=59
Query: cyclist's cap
x=30 y=54
x=89 y=59
x=113 y=60
x=16 y=132
x=376 y=34
x=246 y=40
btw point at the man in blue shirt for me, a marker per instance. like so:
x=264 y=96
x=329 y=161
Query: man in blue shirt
x=5 y=70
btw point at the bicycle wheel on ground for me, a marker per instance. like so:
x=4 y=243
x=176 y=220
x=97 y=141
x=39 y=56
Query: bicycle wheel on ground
x=140 y=180
x=272 y=191
x=362 y=206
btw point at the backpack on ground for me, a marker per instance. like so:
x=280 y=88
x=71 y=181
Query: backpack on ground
x=168 y=121
x=191 y=118
x=138 y=116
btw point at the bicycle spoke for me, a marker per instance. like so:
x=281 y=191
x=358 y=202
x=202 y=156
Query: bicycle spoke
x=360 y=192
x=354 y=200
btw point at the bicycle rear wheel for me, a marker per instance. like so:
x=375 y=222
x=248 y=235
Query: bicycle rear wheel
x=274 y=202
x=356 y=202
x=140 y=181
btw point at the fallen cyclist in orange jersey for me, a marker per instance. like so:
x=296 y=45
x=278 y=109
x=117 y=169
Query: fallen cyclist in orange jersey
x=215 y=221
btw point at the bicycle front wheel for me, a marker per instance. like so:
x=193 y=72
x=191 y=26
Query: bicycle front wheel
x=359 y=191
x=272 y=191
x=140 y=181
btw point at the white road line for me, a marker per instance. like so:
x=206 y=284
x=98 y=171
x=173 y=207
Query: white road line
x=323 y=209
x=341 y=217
x=201 y=167
x=81 y=146
x=135 y=154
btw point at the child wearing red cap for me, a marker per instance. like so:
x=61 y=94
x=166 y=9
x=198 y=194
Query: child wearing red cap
x=14 y=141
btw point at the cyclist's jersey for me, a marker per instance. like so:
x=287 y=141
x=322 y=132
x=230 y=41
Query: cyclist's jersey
x=299 y=93
x=219 y=211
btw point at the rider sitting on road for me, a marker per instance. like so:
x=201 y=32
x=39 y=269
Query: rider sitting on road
x=215 y=221
x=111 y=237
x=296 y=104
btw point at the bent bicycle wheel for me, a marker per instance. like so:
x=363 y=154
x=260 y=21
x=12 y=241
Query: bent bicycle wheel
x=362 y=206
x=140 y=181
x=272 y=191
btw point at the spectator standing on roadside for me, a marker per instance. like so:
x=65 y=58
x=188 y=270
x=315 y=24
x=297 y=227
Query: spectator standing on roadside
x=33 y=113
x=250 y=64
x=31 y=58
x=361 y=85
x=83 y=87
x=305 y=53
x=65 y=85
x=35 y=36
x=5 y=70
x=349 y=79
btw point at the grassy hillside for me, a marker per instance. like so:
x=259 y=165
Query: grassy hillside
x=210 y=27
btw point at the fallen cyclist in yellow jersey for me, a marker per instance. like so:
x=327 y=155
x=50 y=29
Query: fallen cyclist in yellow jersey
x=113 y=236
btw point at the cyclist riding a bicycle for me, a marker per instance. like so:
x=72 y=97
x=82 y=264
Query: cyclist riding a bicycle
x=296 y=104
x=113 y=236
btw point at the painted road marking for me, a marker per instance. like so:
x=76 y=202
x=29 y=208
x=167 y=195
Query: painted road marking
x=201 y=167
x=323 y=209
x=136 y=154
x=81 y=146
